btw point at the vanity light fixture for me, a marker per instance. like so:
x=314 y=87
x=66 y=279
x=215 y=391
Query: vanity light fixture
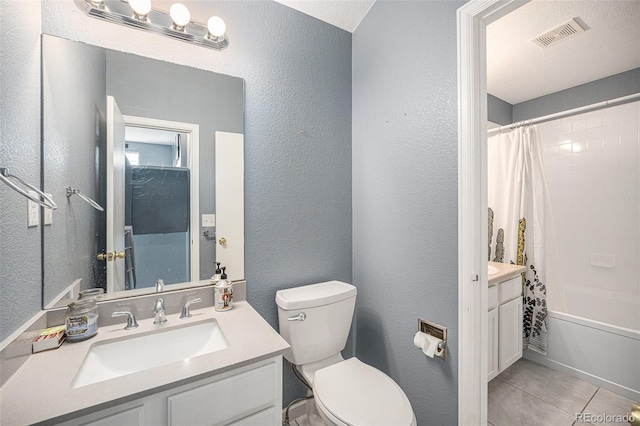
x=176 y=24
x=180 y=16
x=141 y=9
x=97 y=4
x=216 y=27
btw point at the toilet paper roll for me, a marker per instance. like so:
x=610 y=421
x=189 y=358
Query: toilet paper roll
x=427 y=342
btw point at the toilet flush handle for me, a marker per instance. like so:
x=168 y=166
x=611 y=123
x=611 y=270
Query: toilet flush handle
x=300 y=317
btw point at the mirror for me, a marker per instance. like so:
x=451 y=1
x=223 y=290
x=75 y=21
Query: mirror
x=157 y=146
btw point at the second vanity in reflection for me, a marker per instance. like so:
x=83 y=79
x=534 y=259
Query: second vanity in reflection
x=504 y=317
x=227 y=369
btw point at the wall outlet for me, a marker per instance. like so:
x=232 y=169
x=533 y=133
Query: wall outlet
x=33 y=212
x=208 y=220
x=48 y=214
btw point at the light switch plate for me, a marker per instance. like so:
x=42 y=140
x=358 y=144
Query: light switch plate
x=208 y=220
x=33 y=212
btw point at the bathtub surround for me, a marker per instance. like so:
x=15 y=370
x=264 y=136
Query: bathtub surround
x=592 y=167
x=405 y=196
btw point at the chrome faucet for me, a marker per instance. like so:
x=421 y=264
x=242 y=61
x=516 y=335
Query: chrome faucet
x=159 y=312
x=185 y=308
x=159 y=286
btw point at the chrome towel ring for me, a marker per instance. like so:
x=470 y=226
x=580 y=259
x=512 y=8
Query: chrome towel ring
x=18 y=185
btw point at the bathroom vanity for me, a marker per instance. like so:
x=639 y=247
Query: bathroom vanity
x=504 y=318
x=239 y=382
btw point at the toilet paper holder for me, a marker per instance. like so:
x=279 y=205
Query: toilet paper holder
x=436 y=330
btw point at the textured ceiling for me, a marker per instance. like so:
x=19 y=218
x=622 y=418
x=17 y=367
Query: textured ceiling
x=345 y=14
x=518 y=70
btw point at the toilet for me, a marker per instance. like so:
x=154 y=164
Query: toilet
x=315 y=320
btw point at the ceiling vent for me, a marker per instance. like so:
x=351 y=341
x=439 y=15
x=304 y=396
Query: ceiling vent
x=561 y=32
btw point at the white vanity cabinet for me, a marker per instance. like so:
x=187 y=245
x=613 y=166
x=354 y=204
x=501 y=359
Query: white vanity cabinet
x=250 y=395
x=504 y=325
x=492 y=344
x=509 y=333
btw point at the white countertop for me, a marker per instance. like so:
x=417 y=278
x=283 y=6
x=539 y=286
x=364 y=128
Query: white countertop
x=506 y=271
x=41 y=389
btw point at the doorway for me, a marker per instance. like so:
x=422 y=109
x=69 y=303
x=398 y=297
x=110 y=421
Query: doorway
x=157 y=182
x=472 y=19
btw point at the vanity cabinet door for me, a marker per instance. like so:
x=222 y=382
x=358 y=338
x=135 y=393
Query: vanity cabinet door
x=492 y=344
x=510 y=333
x=230 y=398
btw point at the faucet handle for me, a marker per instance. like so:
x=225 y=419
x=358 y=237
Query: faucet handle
x=185 y=308
x=131 y=319
x=159 y=286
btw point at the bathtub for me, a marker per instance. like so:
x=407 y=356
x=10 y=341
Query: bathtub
x=605 y=355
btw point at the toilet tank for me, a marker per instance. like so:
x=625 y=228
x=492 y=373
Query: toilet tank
x=327 y=309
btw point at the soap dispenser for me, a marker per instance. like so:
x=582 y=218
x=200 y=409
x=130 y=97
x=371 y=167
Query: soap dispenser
x=223 y=293
x=217 y=275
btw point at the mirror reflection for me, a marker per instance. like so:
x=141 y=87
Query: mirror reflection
x=138 y=137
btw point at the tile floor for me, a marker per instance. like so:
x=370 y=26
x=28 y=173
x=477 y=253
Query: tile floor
x=531 y=394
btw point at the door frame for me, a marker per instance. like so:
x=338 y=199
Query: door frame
x=472 y=21
x=193 y=162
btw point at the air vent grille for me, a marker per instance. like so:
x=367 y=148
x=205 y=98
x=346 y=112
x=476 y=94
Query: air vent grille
x=561 y=32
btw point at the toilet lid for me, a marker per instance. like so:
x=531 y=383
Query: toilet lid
x=359 y=394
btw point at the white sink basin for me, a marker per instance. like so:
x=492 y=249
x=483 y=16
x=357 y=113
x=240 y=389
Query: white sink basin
x=493 y=270
x=111 y=359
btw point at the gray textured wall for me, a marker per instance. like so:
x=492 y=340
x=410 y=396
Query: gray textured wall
x=20 y=272
x=499 y=111
x=161 y=90
x=405 y=196
x=71 y=113
x=297 y=73
x=626 y=83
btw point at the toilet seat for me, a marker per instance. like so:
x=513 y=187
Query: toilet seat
x=356 y=394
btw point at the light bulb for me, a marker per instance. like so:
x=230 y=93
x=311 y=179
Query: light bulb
x=216 y=26
x=140 y=7
x=98 y=4
x=180 y=15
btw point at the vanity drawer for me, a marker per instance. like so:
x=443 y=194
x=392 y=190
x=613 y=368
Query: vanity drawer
x=225 y=399
x=493 y=298
x=510 y=289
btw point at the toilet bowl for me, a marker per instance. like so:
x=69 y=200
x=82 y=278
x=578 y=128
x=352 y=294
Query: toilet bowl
x=354 y=393
x=315 y=320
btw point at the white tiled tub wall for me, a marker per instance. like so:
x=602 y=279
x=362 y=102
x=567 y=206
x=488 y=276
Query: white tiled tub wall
x=592 y=167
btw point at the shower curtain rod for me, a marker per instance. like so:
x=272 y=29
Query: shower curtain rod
x=567 y=113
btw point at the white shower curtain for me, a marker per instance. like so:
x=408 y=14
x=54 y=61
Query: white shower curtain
x=516 y=222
